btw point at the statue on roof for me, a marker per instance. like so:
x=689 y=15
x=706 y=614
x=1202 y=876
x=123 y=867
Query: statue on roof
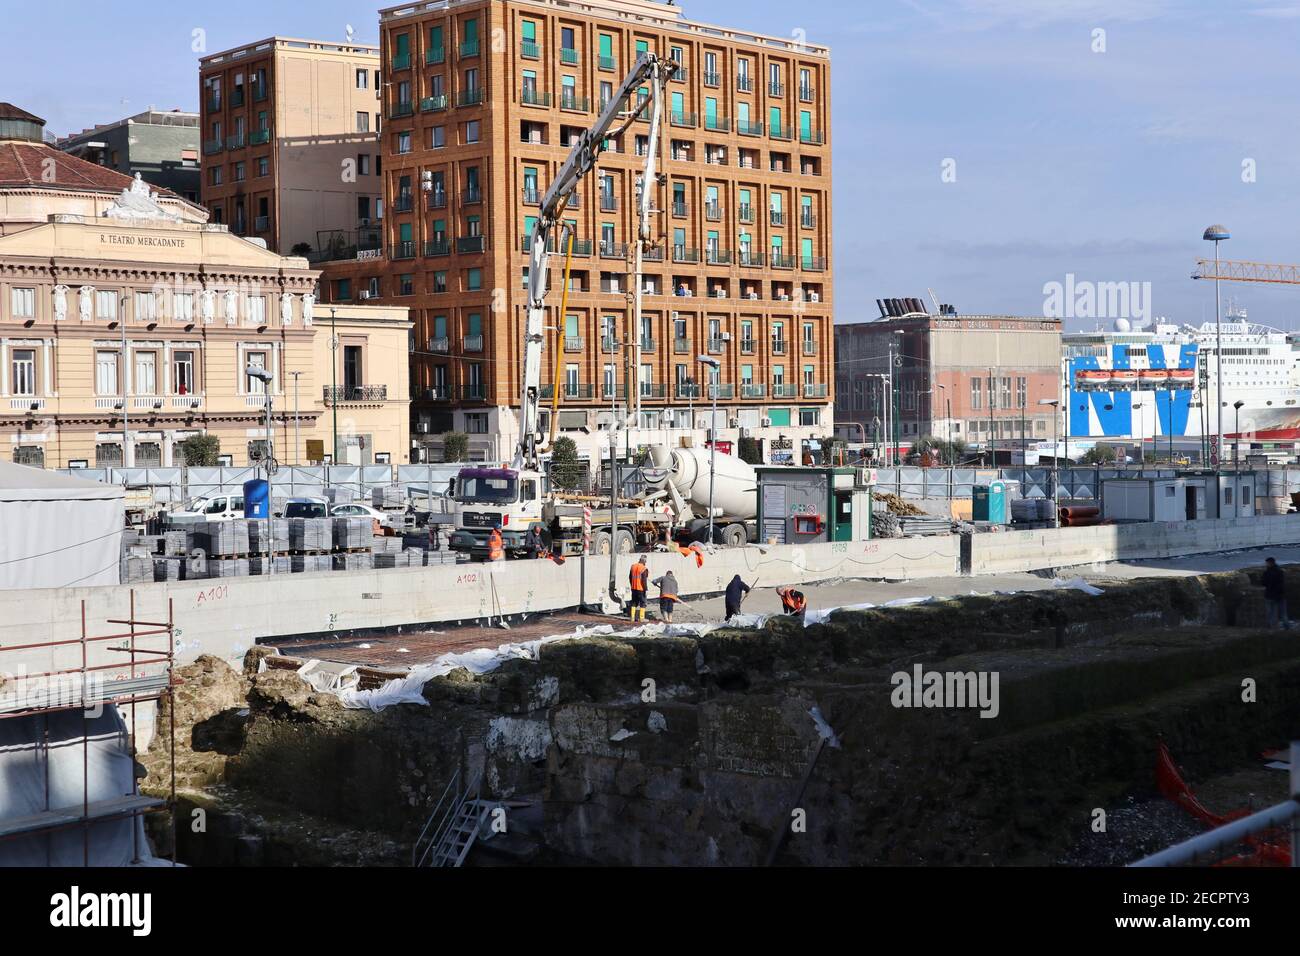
x=138 y=203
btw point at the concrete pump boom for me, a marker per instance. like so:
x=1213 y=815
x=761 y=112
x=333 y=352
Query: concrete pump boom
x=614 y=119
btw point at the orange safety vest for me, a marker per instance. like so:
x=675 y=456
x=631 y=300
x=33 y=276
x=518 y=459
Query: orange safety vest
x=640 y=577
x=495 y=550
x=791 y=600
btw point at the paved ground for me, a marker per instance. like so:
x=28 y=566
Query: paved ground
x=416 y=647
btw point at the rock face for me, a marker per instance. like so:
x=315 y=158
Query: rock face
x=696 y=751
x=210 y=712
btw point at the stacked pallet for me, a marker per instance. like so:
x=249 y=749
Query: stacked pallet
x=137 y=567
x=353 y=534
x=279 y=565
x=340 y=495
x=310 y=563
x=223 y=539
x=177 y=542
x=169 y=569
x=394 y=559
x=227 y=567
x=311 y=534
x=278 y=532
x=380 y=544
x=387 y=497
x=353 y=561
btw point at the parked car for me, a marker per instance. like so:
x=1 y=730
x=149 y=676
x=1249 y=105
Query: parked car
x=210 y=508
x=354 y=510
x=306 y=508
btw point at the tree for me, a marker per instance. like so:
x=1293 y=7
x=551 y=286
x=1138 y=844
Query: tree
x=831 y=450
x=301 y=249
x=455 y=447
x=202 y=451
x=749 y=451
x=939 y=450
x=567 y=473
x=1099 y=455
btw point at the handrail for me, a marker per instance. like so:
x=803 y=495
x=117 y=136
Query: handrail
x=432 y=843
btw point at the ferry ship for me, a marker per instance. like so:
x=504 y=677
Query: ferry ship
x=1144 y=384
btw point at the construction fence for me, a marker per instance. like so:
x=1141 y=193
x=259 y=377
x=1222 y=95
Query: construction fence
x=1085 y=483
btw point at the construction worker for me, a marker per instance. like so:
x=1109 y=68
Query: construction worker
x=667 y=595
x=536 y=546
x=793 y=602
x=736 y=591
x=639 y=578
x=496 y=550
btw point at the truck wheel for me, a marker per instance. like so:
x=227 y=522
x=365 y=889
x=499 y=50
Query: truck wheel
x=624 y=543
x=600 y=543
x=734 y=536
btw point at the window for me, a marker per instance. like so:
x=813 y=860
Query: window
x=183 y=306
x=472 y=131
x=404 y=142
x=343 y=290
x=474 y=280
x=440 y=282
x=363 y=79
x=976 y=389
x=253 y=385
x=263 y=166
x=363 y=122
x=106 y=373
x=215 y=176
x=238 y=175
x=363 y=164
x=24 y=303
x=106 y=305
x=1021 y=391
x=476 y=423
x=406 y=284
x=257 y=309
x=183 y=372
x=24 y=372
x=146 y=307
x=31 y=455
x=108 y=456
x=810 y=416
x=146 y=373
x=437 y=137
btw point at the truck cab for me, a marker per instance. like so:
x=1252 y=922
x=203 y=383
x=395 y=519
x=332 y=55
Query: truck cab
x=486 y=498
x=211 y=508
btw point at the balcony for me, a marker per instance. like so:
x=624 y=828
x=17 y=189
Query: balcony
x=609 y=345
x=433 y=104
x=437 y=393
x=30 y=403
x=402 y=110
x=713 y=212
x=654 y=254
x=235 y=142
x=581 y=247
x=568 y=57
x=745 y=213
x=574 y=343
x=781 y=390
x=679 y=210
x=809 y=347
x=721 y=124
x=686 y=254
x=779 y=261
x=718 y=257
x=777 y=217
x=776 y=88
x=471 y=196
x=608 y=203
x=782 y=132
x=440 y=344
x=813 y=137
x=476 y=392
x=403 y=250
x=574 y=391
x=472 y=343
x=813 y=264
x=681 y=346
x=778 y=348
x=613 y=250
x=747 y=346
x=715 y=346
x=689 y=120
x=712 y=79
x=212 y=146
x=720 y=391
x=807 y=93
x=750 y=390
x=568 y=101
x=747 y=128
x=214 y=104
x=187 y=401
x=532 y=197
x=808 y=219
x=681 y=74
x=530 y=50
x=815 y=391
x=471 y=244
x=435 y=55
x=436 y=199
x=647 y=343
x=354 y=394
x=470 y=97
x=532 y=96
x=437 y=247
x=259 y=137
x=607 y=63
x=469 y=48
x=687 y=391
x=744 y=84
x=753 y=259
x=404 y=202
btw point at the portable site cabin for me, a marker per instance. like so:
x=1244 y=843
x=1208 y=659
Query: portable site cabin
x=58 y=531
x=814 y=505
x=1181 y=498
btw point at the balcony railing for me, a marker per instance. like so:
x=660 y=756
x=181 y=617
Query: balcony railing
x=532 y=96
x=747 y=346
x=747 y=258
x=402 y=61
x=713 y=212
x=776 y=88
x=777 y=217
x=779 y=261
x=813 y=263
x=532 y=196
x=260 y=92
x=403 y=250
x=684 y=390
x=401 y=110
x=679 y=210
x=470 y=97
x=212 y=146
x=684 y=119
x=440 y=344
x=722 y=391
x=575 y=391
x=569 y=101
x=529 y=49
x=716 y=346
x=808 y=219
x=473 y=393
x=341 y=394
x=235 y=142
x=471 y=244
x=437 y=247
x=782 y=132
x=433 y=104
x=435 y=55
x=568 y=57
x=654 y=254
x=750 y=390
x=613 y=250
x=471 y=196
x=809 y=347
x=261 y=223
x=778 y=347
x=469 y=48
x=806 y=93
x=720 y=124
x=815 y=391
x=685 y=254
x=712 y=79
x=437 y=199
x=718 y=257
x=780 y=390
x=745 y=84
x=607 y=63
x=237 y=96
x=472 y=343
x=437 y=393
x=608 y=203
x=647 y=343
x=745 y=212
x=681 y=74
x=574 y=343
x=813 y=137
x=259 y=137
x=747 y=128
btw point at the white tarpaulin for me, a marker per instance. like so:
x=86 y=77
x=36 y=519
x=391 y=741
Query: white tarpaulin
x=58 y=531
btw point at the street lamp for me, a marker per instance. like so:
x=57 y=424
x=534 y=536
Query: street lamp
x=265 y=377
x=714 y=364
x=1236 y=427
x=1217 y=234
x=334 y=380
x=1054 y=404
x=1141 y=429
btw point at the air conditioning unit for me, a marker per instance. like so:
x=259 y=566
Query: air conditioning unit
x=650 y=288
x=365 y=294
x=422 y=428
x=720 y=293
x=726 y=336
x=745 y=433
x=814 y=297
x=613 y=286
x=783 y=297
x=733 y=423
x=676 y=316
x=752 y=296
x=765 y=423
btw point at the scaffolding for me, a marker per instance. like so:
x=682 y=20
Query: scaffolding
x=144 y=673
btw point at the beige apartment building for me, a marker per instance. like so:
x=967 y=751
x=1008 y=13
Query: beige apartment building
x=482 y=102
x=290 y=144
x=128 y=323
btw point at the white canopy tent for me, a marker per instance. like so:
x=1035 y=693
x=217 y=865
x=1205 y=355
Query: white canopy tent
x=57 y=531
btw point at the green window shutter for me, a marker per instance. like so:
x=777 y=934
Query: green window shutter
x=806 y=248
x=571 y=326
x=435 y=38
x=744 y=112
x=775 y=117
x=744 y=197
x=807 y=202
x=747 y=373
x=471 y=31
x=569 y=83
x=440 y=225
x=406 y=232
x=776 y=242
x=440 y=327
x=530 y=30
x=642 y=46
x=713 y=235
x=606 y=45
x=530 y=223
x=403 y=44
x=679 y=237
x=805 y=124
x=776 y=202
x=711 y=109
x=475 y=324
x=780 y=417
x=679 y=103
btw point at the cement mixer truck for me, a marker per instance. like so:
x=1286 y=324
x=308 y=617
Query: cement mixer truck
x=681 y=477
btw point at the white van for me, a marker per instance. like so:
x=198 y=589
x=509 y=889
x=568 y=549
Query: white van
x=212 y=508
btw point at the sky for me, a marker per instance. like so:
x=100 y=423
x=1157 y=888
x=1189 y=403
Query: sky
x=982 y=149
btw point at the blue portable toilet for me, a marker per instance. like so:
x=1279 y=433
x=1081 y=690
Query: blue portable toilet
x=257 y=498
x=990 y=503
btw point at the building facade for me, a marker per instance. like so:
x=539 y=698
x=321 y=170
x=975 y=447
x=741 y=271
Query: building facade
x=128 y=324
x=974 y=378
x=163 y=147
x=482 y=103
x=290 y=144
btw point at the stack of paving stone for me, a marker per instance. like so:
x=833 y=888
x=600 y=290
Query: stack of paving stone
x=387 y=497
x=352 y=534
x=353 y=561
x=223 y=539
x=381 y=544
x=279 y=533
x=308 y=563
x=279 y=565
x=177 y=543
x=311 y=534
x=227 y=567
x=339 y=495
x=169 y=569
x=137 y=566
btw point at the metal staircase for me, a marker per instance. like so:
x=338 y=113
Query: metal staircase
x=454 y=826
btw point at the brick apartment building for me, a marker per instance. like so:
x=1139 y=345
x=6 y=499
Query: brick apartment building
x=481 y=103
x=290 y=144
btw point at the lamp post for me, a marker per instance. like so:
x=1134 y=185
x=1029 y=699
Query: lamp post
x=1141 y=431
x=334 y=381
x=297 y=446
x=1217 y=234
x=713 y=431
x=126 y=379
x=1236 y=428
x=1054 y=404
x=265 y=377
